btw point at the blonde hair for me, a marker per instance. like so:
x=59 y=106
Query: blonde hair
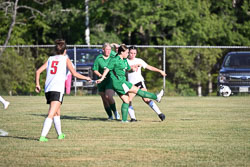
x=106 y=45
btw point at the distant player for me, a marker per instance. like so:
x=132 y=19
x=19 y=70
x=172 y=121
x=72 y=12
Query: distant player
x=105 y=88
x=5 y=103
x=136 y=78
x=55 y=86
x=117 y=68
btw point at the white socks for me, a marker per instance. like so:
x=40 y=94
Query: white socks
x=5 y=103
x=46 y=127
x=57 y=124
x=154 y=107
x=131 y=112
x=48 y=123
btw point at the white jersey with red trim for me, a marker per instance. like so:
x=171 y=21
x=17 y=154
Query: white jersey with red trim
x=136 y=76
x=56 y=74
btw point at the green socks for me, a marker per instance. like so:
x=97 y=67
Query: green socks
x=145 y=94
x=125 y=111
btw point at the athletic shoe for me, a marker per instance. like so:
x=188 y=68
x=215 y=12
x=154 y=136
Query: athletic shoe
x=161 y=116
x=61 y=136
x=6 y=104
x=159 y=96
x=117 y=116
x=43 y=139
x=110 y=118
x=133 y=120
x=125 y=121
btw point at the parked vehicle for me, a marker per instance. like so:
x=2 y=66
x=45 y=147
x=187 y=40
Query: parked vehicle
x=84 y=62
x=235 y=72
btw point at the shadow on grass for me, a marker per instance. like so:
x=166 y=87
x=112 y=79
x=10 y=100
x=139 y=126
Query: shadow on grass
x=18 y=137
x=84 y=118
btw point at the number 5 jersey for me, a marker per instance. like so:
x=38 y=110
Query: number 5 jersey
x=56 y=74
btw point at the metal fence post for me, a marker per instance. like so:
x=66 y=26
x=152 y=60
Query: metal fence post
x=75 y=66
x=164 y=67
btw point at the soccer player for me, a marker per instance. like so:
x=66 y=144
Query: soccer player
x=105 y=88
x=136 y=78
x=55 y=86
x=117 y=68
x=5 y=103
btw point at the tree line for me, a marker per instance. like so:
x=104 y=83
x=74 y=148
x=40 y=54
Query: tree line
x=133 y=22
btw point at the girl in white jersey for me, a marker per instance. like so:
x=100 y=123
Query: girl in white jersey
x=54 y=87
x=137 y=79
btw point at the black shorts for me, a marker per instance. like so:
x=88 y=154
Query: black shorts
x=140 y=85
x=54 y=96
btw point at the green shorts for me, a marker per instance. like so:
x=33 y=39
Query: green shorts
x=121 y=87
x=104 y=85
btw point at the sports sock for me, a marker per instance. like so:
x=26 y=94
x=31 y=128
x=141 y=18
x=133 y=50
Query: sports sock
x=108 y=111
x=2 y=100
x=57 y=123
x=154 y=107
x=113 y=107
x=131 y=112
x=125 y=111
x=46 y=127
x=146 y=94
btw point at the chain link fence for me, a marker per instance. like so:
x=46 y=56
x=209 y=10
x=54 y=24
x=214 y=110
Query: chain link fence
x=192 y=70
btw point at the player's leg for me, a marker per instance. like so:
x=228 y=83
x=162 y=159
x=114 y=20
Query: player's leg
x=124 y=108
x=106 y=105
x=54 y=106
x=131 y=110
x=146 y=94
x=109 y=95
x=153 y=106
x=57 y=124
x=5 y=103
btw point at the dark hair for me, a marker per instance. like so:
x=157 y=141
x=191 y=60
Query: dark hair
x=133 y=47
x=60 y=46
x=122 y=48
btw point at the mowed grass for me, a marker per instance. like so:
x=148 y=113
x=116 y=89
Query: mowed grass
x=205 y=131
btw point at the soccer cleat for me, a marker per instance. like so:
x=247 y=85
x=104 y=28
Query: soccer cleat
x=110 y=118
x=133 y=120
x=159 y=96
x=6 y=104
x=61 y=136
x=161 y=116
x=117 y=116
x=125 y=121
x=43 y=139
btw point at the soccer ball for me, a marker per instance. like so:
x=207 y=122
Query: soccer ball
x=225 y=91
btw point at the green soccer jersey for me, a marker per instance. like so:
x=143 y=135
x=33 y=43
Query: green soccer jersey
x=100 y=63
x=118 y=68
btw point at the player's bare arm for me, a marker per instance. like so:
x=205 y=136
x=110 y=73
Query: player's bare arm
x=38 y=72
x=106 y=71
x=74 y=73
x=151 y=68
x=98 y=73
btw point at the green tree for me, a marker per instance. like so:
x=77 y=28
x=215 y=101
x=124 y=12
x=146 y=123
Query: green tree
x=17 y=72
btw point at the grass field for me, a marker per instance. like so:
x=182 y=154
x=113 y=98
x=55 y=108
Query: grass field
x=206 y=131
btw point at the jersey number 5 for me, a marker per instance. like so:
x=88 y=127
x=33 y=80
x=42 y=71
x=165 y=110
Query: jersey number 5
x=54 y=67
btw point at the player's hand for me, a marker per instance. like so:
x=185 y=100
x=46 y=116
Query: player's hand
x=38 y=89
x=88 y=79
x=163 y=73
x=99 y=81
